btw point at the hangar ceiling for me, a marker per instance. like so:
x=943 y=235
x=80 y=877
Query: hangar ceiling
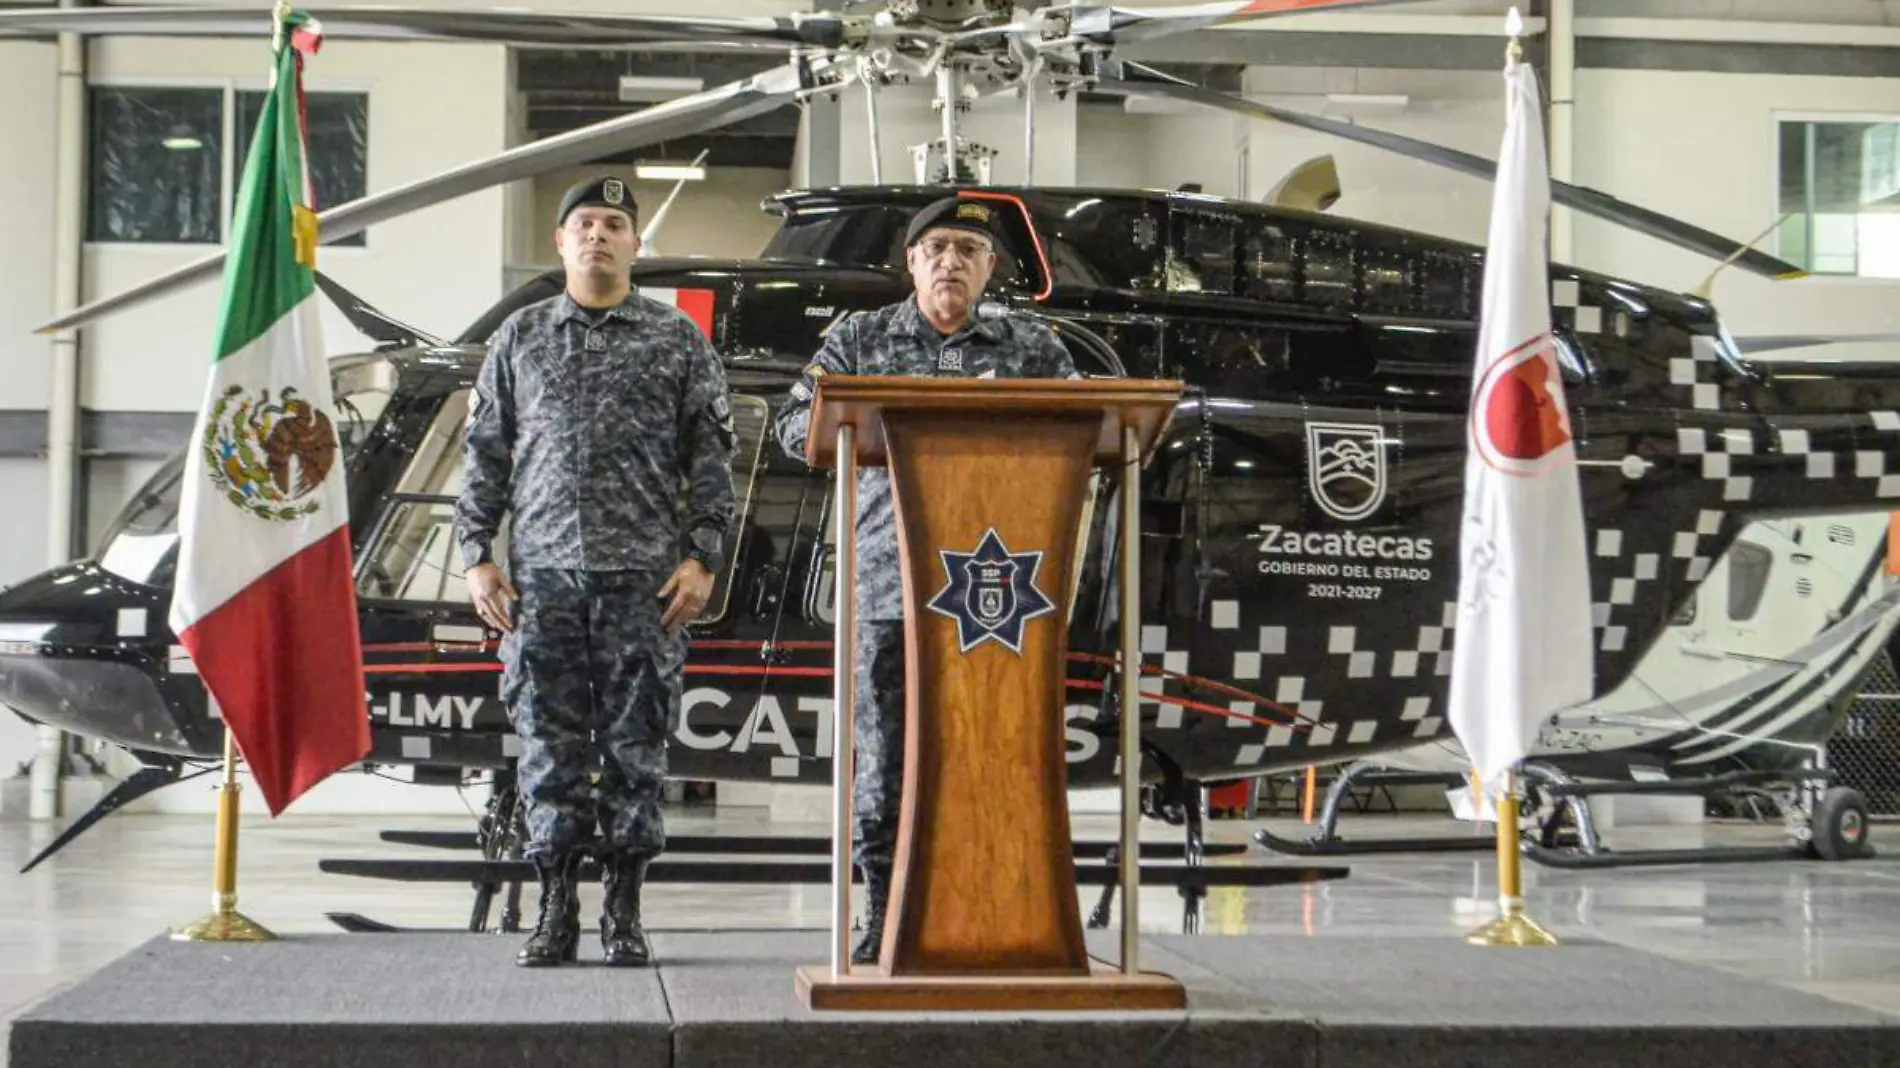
x=564 y=89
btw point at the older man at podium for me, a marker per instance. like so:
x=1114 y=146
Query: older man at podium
x=950 y=250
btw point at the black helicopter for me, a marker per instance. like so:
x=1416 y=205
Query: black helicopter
x=1298 y=522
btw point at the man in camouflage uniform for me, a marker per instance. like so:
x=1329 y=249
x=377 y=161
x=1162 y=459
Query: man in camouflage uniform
x=590 y=410
x=950 y=251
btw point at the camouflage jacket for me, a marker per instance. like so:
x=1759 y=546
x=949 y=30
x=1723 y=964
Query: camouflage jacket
x=898 y=340
x=585 y=426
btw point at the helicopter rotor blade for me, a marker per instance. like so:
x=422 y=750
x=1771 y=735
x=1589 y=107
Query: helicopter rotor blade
x=518 y=28
x=671 y=120
x=1128 y=25
x=1120 y=76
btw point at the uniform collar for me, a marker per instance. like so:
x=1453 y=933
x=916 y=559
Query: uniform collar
x=626 y=311
x=910 y=320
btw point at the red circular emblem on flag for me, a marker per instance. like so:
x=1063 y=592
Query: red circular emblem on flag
x=1518 y=420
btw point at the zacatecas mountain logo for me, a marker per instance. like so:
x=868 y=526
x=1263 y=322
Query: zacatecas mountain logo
x=1345 y=469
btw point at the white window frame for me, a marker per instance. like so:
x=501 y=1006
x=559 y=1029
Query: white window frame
x=1776 y=119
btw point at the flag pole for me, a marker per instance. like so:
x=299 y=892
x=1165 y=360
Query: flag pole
x=1512 y=927
x=225 y=923
x=1509 y=304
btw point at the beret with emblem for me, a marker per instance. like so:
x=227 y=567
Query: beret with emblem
x=955 y=213
x=603 y=192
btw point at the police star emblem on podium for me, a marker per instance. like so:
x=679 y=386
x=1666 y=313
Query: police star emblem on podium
x=991 y=593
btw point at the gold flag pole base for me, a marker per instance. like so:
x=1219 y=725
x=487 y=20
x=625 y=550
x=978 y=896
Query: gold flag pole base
x=226 y=924
x=1511 y=929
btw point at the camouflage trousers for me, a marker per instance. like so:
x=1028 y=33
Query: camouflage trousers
x=878 y=787
x=591 y=680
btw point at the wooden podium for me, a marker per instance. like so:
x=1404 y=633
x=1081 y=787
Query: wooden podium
x=989 y=478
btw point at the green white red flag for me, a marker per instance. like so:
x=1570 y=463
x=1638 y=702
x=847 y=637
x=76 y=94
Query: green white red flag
x=264 y=599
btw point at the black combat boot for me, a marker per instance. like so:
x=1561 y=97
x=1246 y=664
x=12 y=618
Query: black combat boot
x=621 y=935
x=557 y=932
x=877 y=890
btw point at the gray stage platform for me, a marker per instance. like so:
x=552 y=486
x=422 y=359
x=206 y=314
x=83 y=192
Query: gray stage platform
x=721 y=1000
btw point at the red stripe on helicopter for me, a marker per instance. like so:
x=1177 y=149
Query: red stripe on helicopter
x=816 y=672
x=697 y=304
x=1293 y=717
x=1035 y=236
x=491 y=646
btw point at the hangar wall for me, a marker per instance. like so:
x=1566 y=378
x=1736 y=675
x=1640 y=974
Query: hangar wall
x=430 y=106
x=1702 y=146
x=27 y=83
x=1458 y=109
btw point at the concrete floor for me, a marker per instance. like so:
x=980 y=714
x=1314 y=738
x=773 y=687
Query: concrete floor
x=1829 y=929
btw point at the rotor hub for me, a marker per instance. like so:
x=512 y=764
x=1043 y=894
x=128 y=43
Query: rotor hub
x=951 y=14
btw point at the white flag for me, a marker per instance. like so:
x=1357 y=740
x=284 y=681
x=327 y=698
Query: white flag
x=1521 y=647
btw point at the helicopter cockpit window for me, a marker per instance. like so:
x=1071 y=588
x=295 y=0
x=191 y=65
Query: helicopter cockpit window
x=412 y=555
x=855 y=235
x=360 y=392
x=140 y=544
x=1748 y=567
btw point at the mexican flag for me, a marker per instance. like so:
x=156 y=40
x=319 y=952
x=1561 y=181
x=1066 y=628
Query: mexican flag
x=264 y=600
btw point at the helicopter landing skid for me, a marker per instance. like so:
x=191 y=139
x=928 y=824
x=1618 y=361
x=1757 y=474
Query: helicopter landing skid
x=1834 y=827
x=1326 y=842
x=1822 y=822
x=155 y=775
x=1192 y=879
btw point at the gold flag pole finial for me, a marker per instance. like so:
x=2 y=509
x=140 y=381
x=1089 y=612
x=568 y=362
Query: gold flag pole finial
x=1512 y=928
x=225 y=923
x=1514 y=26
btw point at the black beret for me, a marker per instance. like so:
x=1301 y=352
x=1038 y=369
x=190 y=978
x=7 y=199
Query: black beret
x=956 y=213
x=603 y=192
